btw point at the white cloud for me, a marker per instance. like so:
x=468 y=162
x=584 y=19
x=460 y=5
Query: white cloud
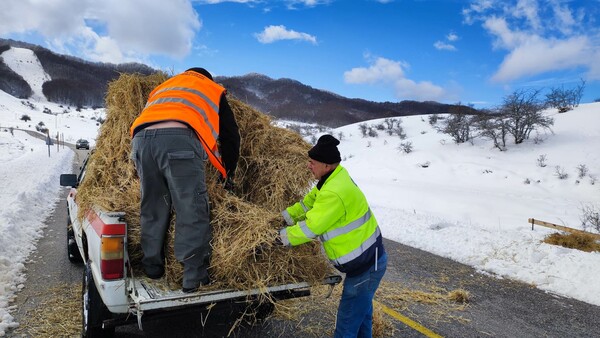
x=440 y=45
x=452 y=37
x=275 y=33
x=307 y=3
x=539 y=36
x=540 y=56
x=213 y=2
x=387 y=71
x=528 y=9
x=476 y=9
x=107 y=30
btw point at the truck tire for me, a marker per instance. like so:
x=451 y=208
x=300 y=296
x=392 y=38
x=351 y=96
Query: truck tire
x=72 y=249
x=93 y=310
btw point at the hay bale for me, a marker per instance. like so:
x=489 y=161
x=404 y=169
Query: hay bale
x=271 y=175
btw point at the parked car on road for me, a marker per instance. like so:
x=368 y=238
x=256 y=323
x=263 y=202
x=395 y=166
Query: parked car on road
x=82 y=144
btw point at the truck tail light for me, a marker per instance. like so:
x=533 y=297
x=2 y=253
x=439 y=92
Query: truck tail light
x=111 y=256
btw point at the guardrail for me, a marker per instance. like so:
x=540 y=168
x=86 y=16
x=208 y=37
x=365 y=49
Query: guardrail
x=562 y=228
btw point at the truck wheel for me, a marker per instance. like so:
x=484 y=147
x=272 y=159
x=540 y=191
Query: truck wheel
x=72 y=249
x=93 y=310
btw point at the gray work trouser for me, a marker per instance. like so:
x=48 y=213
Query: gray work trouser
x=170 y=164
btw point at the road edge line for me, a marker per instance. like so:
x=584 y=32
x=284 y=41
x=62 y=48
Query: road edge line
x=411 y=323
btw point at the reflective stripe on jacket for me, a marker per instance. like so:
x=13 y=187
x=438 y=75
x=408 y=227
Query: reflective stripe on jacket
x=190 y=98
x=338 y=214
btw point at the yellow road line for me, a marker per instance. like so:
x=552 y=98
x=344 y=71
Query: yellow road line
x=411 y=323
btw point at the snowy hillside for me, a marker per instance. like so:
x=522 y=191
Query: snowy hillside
x=69 y=123
x=471 y=203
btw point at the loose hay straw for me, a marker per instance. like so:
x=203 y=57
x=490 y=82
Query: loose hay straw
x=59 y=315
x=271 y=175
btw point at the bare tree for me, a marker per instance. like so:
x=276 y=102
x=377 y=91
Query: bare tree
x=565 y=99
x=523 y=111
x=457 y=125
x=590 y=217
x=390 y=122
x=495 y=128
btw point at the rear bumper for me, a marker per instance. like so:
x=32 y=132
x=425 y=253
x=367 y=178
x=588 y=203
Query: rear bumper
x=146 y=297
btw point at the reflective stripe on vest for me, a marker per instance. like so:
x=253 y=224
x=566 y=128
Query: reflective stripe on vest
x=206 y=99
x=347 y=228
x=189 y=104
x=304 y=206
x=358 y=251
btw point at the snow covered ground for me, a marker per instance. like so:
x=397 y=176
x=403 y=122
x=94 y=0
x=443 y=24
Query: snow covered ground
x=471 y=202
x=29 y=178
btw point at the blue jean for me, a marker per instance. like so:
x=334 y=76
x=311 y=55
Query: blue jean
x=355 y=312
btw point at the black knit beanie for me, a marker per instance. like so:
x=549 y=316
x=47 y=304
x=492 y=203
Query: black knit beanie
x=201 y=71
x=326 y=150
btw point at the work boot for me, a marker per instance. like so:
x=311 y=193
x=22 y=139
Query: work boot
x=155 y=273
x=203 y=282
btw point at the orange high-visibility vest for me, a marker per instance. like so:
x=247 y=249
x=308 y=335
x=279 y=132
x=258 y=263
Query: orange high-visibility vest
x=190 y=98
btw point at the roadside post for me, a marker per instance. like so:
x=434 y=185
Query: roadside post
x=48 y=142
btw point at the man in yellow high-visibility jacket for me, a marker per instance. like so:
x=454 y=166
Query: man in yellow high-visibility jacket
x=336 y=212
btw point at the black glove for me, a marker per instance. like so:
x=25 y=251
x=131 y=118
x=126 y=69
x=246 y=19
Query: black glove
x=278 y=241
x=226 y=183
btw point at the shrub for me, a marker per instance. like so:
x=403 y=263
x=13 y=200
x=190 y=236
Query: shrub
x=405 y=147
x=565 y=99
x=582 y=242
x=433 y=119
x=28 y=104
x=41 y=127
x=560 y=173
x=458 y=126
x=363 y=129
x=590 y=217
x=541 y=161
x=25 y=118
x=372 y=132
x=399 y=130
x=390 y=122
x=582 y=170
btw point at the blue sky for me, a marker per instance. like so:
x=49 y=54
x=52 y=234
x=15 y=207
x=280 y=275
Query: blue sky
x=388 y=50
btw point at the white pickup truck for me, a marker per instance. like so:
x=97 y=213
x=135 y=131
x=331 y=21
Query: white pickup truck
x=111 y=294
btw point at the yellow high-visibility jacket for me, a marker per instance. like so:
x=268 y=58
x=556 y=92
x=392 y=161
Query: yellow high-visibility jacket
x=337 y=214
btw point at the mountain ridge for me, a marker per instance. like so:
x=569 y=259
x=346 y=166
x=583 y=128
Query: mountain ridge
x=78 y=82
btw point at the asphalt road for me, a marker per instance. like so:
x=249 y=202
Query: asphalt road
x=496 y=308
